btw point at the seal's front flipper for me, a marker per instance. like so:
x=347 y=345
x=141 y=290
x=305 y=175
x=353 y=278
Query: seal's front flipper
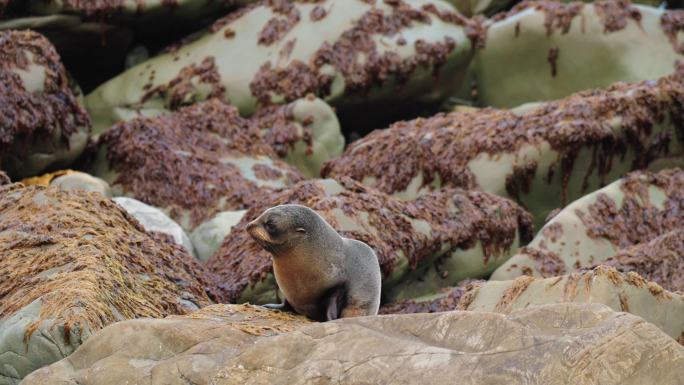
x=285 y=306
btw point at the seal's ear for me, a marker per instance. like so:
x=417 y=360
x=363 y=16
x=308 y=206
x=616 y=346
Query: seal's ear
x=300 y=230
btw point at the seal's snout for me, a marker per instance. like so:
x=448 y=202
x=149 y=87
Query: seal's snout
x=257 y=232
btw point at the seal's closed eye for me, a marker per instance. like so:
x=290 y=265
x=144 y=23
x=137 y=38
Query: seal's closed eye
x=271 y=228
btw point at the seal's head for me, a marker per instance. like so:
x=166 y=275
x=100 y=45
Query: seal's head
x=283 y=227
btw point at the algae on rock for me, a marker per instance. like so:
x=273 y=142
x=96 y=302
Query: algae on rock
x=633 y=210
x=347 y=52
x=74 y=262
x=196 y=162
x=543 y=155
x=43 y=124
x=660 y=260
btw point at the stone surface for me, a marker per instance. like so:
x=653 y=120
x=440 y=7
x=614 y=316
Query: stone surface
x=554 y=344
x=633 y=210
x=543 y=155
x=208 y=237
x=43 y=124
x=153 y=219
x=72 y=263
x=434 y=241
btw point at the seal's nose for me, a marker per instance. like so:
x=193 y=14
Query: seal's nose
x=251 y=226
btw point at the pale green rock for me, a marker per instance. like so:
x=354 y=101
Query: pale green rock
x=154 y=219
x=208 y=237
x=548 y=57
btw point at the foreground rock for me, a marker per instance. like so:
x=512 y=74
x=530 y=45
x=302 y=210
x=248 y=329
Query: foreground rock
x=422 y=245
x=552 y=49
x=194 y=163
x=347 y=52
x=42 y=121
x=544 y=155
x=556 y=344
x=634 y=210
x=72 y=263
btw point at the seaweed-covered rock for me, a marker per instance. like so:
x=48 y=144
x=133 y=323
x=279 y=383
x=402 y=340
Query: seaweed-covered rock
x=43 y=124
x=74 y=262
x=304 y=133
x=553 y=49
x=623 y=292
x=434 y=241
x=550 y=345
x=660 y=260
x=542 y=155
x=70 y=180
x=153 y=219
x=194 y=163
x=635 y=209
x=347 y=52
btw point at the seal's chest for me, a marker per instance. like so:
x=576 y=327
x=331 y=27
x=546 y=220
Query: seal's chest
x=300 y=281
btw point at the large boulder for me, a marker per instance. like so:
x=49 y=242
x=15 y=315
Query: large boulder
x=553 y=49
x=542 y=155
x=43 y=124
x=74 y=262
x=351 y=53
x=195 y=162
x=550 y=345
x=633 y=210
x=434 y=241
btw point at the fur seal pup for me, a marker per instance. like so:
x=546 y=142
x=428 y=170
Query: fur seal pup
x=323 y=275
